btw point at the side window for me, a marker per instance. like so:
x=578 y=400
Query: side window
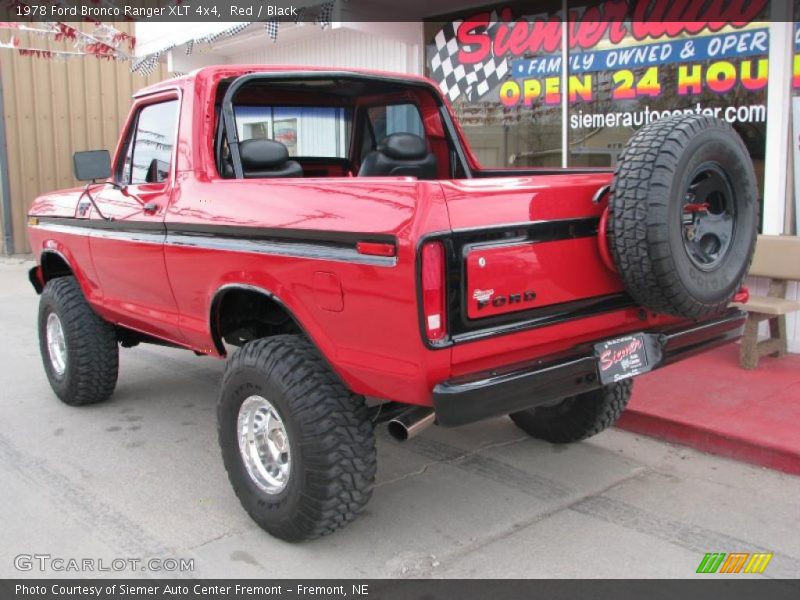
x=149 y=152
x=395 y=118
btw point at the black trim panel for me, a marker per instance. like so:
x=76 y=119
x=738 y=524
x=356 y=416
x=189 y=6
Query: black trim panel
x=346 y=239
x=532 y=171
x=125 y=225
x=544 y=316
x=302 y=243
x=517 y=387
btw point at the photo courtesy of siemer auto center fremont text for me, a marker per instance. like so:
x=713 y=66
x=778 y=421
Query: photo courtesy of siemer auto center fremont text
x=424 y=299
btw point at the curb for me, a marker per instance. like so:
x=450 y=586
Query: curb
x=708 y=440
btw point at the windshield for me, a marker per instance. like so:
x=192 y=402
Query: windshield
x=306 y=131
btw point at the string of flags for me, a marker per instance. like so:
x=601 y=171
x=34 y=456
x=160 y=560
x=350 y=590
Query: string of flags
x=325 y=14
x=271 y=27
x=322 y=16
x=106 y=42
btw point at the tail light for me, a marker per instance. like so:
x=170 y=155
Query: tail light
x=433 y=291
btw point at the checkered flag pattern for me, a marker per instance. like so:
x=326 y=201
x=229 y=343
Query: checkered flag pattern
x=238 y=28
x=325 y=14
x=456 y=79
x=189 y=47
x=301 y=15
x=271 y=27
x=146 y=65
x=225 y=33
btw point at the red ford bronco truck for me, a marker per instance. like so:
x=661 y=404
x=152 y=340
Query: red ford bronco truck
x=335 y=227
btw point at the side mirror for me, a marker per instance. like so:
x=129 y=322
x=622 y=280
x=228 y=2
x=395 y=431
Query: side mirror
x=92 y=165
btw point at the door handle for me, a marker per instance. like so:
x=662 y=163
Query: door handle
x=150 y=208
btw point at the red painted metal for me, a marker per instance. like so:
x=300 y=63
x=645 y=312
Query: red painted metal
x=363 y=316
x=742 y=296
x=602 y=243
x=521 y=276
x=696 y=207
x=328 y=291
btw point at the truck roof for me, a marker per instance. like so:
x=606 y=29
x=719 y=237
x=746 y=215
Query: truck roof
x=218 y=72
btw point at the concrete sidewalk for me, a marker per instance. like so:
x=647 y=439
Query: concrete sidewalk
x=708 y=402
x=141 y=476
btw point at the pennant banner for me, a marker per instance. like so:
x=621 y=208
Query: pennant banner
x=107 y=42
x=103 y=42
x=271 y=27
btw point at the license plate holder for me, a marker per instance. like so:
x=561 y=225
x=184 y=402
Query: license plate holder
x=623 y=357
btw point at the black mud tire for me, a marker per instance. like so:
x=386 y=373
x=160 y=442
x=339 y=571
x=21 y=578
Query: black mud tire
x=92 y=352
x=331 y=438
x=577 y=417
x=664 y=165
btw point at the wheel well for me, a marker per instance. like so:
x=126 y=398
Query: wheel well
x=239 y=315
x=54 y=265
x=51 y=265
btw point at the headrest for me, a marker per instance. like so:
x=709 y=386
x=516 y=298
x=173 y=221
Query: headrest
x=259 y=154
x=404 y=146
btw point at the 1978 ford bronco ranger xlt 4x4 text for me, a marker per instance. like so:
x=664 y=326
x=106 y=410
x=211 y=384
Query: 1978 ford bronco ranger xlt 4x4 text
x=335 y=226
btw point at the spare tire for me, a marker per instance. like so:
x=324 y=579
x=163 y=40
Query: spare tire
x=683 y=215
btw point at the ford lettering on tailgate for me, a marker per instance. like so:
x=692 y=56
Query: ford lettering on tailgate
x=511 y=277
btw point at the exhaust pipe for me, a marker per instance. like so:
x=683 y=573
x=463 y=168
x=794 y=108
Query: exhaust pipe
x=411 y=422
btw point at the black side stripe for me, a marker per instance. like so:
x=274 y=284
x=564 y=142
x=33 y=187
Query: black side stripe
x=301 y=243
x=532 y=231
x=345 y=239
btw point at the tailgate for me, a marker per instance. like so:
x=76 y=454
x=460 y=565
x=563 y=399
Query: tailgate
x=525 y=252
x=508 y=277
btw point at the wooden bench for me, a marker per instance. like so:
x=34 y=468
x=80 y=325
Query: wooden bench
x=778 y=258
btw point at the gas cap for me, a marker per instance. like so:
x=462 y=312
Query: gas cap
x=328 y=292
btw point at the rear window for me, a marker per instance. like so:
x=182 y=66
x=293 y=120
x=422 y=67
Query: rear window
x=305 y=131
x=395 y=118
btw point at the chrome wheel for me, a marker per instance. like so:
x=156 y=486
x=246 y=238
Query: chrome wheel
x=56 y=345
x=264 y=444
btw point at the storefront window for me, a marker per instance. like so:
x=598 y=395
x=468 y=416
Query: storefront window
x=471 y=57
x=794 y=205
x=628 y=63
x=641 y=71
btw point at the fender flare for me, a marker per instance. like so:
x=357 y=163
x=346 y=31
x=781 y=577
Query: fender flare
x=36 y=275
x=219 y=294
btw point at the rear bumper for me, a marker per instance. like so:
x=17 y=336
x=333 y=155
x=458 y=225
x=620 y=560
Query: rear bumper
x=480 y=396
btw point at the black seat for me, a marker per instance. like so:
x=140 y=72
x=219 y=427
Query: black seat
x=267 y=158
x=400 y=154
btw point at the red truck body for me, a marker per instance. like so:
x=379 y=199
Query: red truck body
x=342 y=254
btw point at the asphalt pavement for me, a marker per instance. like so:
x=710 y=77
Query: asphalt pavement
x=140 y=477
